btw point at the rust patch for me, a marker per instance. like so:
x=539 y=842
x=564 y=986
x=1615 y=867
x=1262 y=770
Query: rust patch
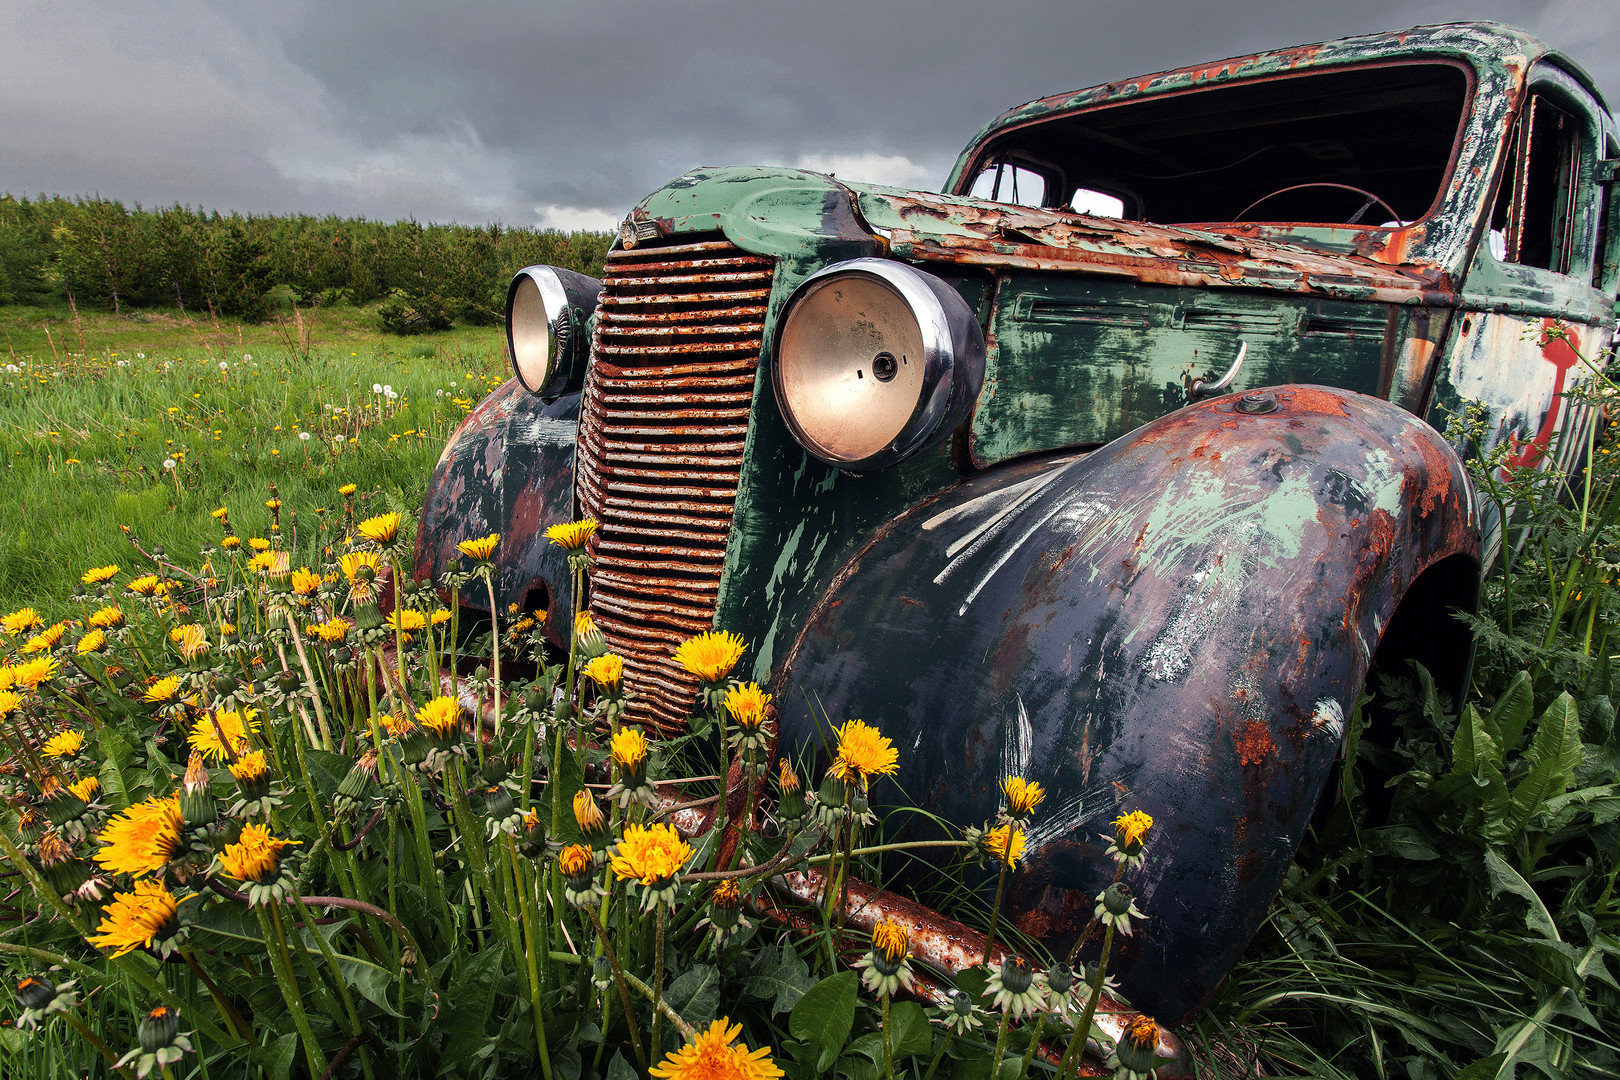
x=1311 y=399
x=1254 y=743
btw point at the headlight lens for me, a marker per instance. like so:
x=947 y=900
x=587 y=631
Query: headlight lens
x=547 y=308
x=874 y=361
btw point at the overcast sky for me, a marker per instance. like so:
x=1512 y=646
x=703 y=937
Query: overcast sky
x=563 y=113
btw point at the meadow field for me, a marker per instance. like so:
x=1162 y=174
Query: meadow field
x=151 y=420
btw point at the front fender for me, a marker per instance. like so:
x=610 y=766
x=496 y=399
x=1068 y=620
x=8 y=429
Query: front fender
x=509 y=468
x=1177 y=622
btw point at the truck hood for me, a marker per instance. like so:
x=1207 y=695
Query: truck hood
x=802 y=216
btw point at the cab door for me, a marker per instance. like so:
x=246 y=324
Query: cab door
x=1538 y=300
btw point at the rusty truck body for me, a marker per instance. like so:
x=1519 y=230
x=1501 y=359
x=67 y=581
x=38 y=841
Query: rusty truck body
x=979 y=468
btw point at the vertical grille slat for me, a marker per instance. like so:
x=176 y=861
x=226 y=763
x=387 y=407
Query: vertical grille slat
x=673 y=361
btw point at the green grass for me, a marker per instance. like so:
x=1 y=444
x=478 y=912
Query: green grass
x=84 y=436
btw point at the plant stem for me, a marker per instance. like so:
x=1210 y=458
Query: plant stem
x=281 y=962
x=529 y=954
x=1034 y=1041
x=1082 y=1030
x=658 y=979
x=1001 y=885
x=888 y=1044
x=1001 y=1043
x=624 y=992
x=494 y=656
x=939 y=1054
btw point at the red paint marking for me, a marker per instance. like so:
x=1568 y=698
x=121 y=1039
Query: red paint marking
x=1558 y=352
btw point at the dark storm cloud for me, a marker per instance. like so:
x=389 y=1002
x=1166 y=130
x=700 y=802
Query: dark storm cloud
x=567 y=112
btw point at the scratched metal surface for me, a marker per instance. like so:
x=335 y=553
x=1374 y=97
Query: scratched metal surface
x=509 y=468
x=1175 y=623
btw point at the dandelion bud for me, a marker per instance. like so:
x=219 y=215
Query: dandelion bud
x=1059 y=977
x=158 y=1029
x=592 y=824
x=1136 y=1049
x=494 y=770
x=1117 y=899
x=725 y=907
x=35 y=992
x=601 y=972
x=792 y=807
x=226 y=685
x=578 y=868
x=534 y=700
x=196 y=801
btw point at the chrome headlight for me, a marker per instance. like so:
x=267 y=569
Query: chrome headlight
x=874 y=361
x=547 y=308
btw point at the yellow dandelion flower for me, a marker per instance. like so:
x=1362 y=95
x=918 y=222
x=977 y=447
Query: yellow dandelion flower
x=86 y=789
x=46 y=640
x=480 y=549
x=255 y=856
x=8 y=702
x=145 y=585
x=995 y=844
x=629 y=749
x=248 y=768
x=746 y=704
x=40 y=669
x=142 y=839
x=890 y=940
x=716 y=1055
x=96 y=575
x=381 y=530
x=163 y=690
x=440 y=617
x=193 y=641
x=20 y=620
x=221 y=514
x=259 y=543
x=574 y=860
x=351 y=563
x=1023 y=796
x=571 y=536
x=304 y=582
x=863 y=751
x=235 y=726
x=442 y=715
x=63 y=744
x=136 y=919
x=587 y=815
x=347 y=489
x=397 y=726
x=711 y=655
x=606 y=670
x=106 y=618
x=650 y=854
x=1132 y=828
x=263 y=561
x=332 y=631
x=406 y=620
x=93 y=642
x=272 y=504
x=231 y=543
x=584 y=625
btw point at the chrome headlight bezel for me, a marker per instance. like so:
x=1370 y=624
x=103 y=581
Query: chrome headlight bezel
x=952 y=356
x=547 y=311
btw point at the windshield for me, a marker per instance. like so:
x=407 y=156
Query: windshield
x=1369 y=146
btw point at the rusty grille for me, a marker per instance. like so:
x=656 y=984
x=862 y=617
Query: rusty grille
x=662 y=426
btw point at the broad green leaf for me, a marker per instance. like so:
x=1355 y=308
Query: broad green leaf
x=369 y=980
x=123 y=784
x=824 y=1017
x=780 y=977
x=1506 y=879
x=1554 y=752
x=1404 y=842
x=276 y=1058
x=1512 y=712
x=1485 y=1068
x=1472 y=744
x=696 y=995
x=910 y=1033
x=619 y=1069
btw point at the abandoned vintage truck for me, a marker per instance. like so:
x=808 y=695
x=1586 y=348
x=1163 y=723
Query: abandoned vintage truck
x=983 y=469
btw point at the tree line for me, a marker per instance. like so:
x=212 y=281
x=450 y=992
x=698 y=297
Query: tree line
x=100 y=253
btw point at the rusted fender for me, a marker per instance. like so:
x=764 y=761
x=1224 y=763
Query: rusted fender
x=509 y=468
x=1177 y=622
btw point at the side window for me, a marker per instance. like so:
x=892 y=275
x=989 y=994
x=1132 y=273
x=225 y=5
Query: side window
x=1097 y=203
x=1536 y=214
x=1009 y=183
